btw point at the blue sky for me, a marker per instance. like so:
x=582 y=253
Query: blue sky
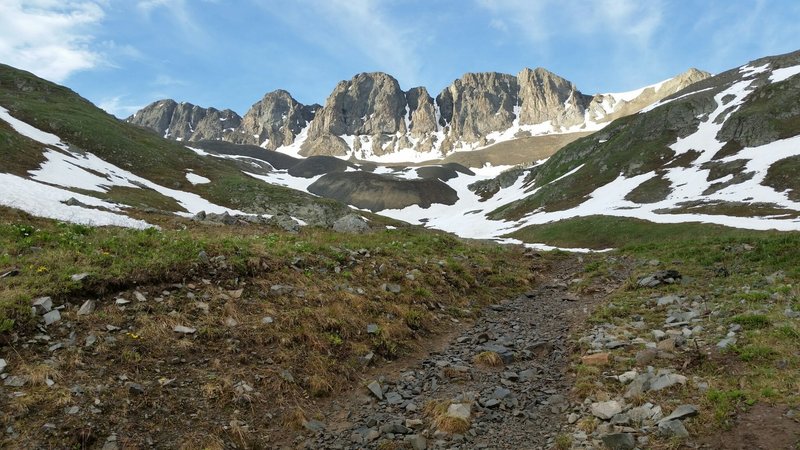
x=123 y=54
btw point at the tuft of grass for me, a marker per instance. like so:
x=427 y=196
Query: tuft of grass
x=38 y=374
x=488 y=359
x=756 y=353
x=752 y=321
x=437 y=411
x=563 y=442
x=602 y=232
x=787 y=331
x=724 y=404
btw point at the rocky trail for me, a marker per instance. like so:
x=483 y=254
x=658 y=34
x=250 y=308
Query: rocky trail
x=499 y=383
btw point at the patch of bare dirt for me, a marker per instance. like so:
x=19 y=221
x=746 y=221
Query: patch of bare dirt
x=762 y=427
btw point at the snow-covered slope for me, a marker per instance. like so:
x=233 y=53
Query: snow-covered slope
x=47 y=191
x=698 y=157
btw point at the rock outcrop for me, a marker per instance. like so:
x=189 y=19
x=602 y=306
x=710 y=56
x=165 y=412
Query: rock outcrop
x=370 y=105
x=274 y=121
x=544 y=96
x=477 y=104
x=185 y=121
x=370 y=116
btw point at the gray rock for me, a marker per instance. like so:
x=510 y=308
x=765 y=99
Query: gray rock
x=3 y=365
x=394 y=427
x=184 y=329
x=135 y=388
x=393 y=398
x=42 y=304
x=51 y=317
x=313 y=425
x=606 y=410
x=392 y=287
x=615 y=344
x=285 y=222
x=266 y=320
x=726 y=342
x=527 y=375
x=619 y=441
x=15 y=381
x=673 y=428
x=86 y=308
x=373 y=328
x=666 y=380
x=459 y=411
x=351 y=223
x=416 y=441
x=90 y=340
x=79 y=276
x=639 y=385
x=490 y=403
x=280 y=289
x=501 y=393
x=681 y=412
x=376 y=389
x=668 y=300
x=287 y=376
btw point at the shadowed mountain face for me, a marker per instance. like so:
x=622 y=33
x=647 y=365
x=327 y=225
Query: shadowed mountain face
x=370 y=117
x=378 y=192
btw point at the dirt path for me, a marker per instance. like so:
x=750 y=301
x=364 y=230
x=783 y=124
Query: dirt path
x=519 y=404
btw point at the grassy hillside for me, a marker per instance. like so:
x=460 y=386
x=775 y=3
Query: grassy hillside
x=58 y=110
x=739 y=354
x=286 y=314
x=639 y=144
x=603 y=232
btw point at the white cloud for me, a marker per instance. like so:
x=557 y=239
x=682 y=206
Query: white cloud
x=178 y=10
x=167 y=80
x=118 y=106
x=543 y=20
x=51 y=38
x=365 y=27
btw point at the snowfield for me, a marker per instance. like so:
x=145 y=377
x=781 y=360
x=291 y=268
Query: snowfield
x=46 y=192
x=48 y=189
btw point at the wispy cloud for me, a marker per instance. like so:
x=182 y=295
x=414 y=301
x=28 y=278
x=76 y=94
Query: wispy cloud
x=167 y=80
x=178 y=10
x=543 y=20
x=50 y=38
x=119 y=106
x=361 y=28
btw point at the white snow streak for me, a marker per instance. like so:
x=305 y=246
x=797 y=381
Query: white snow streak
x=196 y=179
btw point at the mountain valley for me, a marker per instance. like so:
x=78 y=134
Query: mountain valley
x=509 y=264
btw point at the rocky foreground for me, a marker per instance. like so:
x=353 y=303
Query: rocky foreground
x=498 y=383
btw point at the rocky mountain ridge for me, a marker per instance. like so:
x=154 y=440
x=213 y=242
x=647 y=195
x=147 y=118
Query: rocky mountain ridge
x=370 y=117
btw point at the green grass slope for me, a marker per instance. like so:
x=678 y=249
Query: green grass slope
x=639 y=144
x=59 y=110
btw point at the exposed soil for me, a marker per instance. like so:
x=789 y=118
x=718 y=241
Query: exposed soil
x=518 y=404
x=762 y=427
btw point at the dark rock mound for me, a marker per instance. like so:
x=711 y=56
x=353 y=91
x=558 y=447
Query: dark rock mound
x=277 y=160
x=377 y=192
x=443 y=172
x=318 y=165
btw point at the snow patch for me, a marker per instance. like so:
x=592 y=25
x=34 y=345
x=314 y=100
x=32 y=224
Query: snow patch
x=779 y=75
x=196 y=179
